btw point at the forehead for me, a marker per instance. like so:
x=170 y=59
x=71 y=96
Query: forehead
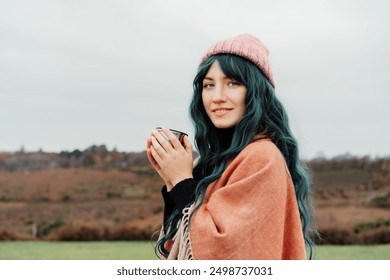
x=215 y=71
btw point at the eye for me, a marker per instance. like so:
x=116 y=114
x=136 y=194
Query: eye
x=234 y=84
x=208 y=85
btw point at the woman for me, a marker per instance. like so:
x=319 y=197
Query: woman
x=248 y=196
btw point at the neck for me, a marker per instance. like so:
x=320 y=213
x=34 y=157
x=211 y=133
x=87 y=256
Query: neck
x=225 y=136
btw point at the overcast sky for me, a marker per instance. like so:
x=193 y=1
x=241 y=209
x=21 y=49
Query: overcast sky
x=78 y=73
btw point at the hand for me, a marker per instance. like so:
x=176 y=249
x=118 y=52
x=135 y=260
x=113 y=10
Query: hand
x=171 y=159
x=155 y=164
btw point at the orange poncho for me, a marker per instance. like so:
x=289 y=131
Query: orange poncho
x=251 y=212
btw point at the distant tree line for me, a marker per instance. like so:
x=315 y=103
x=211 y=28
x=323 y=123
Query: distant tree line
x=98 y=157
x=348 y=162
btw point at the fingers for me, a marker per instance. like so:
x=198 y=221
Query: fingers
x=172 y=138
x=161 y=142
x=157 y=151
x=152 y=154
x=167 y=140
x=187 y=144
x=151 y=159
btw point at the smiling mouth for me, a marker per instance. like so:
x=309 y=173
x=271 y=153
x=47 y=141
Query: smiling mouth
x=222 y=110
x=220 y=113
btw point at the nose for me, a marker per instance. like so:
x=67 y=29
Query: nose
x=219 y=95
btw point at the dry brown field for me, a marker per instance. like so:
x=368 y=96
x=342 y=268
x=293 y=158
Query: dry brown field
x=93 y=204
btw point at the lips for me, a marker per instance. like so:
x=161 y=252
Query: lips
x=219 y=112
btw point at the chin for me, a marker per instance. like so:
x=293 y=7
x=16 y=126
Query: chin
x=222 y=126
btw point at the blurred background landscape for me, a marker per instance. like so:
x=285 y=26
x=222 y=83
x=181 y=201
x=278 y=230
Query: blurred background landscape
x=100 y=194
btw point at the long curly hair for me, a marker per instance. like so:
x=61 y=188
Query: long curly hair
x=265 y=116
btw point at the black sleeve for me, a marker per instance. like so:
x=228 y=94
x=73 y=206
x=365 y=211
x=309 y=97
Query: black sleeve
x=179 y=197
x=183 y=193
x=169 y=205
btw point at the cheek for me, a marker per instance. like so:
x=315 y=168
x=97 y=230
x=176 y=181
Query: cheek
x=242 y=102
x=205 y=102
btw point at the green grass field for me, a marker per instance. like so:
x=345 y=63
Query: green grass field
x=42 y=250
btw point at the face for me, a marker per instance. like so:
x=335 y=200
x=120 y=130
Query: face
x=223 y=98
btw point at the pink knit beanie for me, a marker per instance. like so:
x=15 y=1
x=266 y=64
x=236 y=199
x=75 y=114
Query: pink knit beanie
x=246 y=46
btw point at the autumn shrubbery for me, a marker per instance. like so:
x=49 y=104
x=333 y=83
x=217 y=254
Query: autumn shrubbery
x=6 y=235
x=335 y=236
x=127 y=231
x=381 y=200
x=372 y=232
x=93 y=231
x=80 y=231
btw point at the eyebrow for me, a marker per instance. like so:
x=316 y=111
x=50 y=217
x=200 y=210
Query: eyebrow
x=211 y=79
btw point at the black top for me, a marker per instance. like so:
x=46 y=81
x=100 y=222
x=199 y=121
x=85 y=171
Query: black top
x=184 y=192
x=179 y=197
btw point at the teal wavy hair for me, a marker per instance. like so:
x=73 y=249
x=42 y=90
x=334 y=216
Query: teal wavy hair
x=264 y=116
